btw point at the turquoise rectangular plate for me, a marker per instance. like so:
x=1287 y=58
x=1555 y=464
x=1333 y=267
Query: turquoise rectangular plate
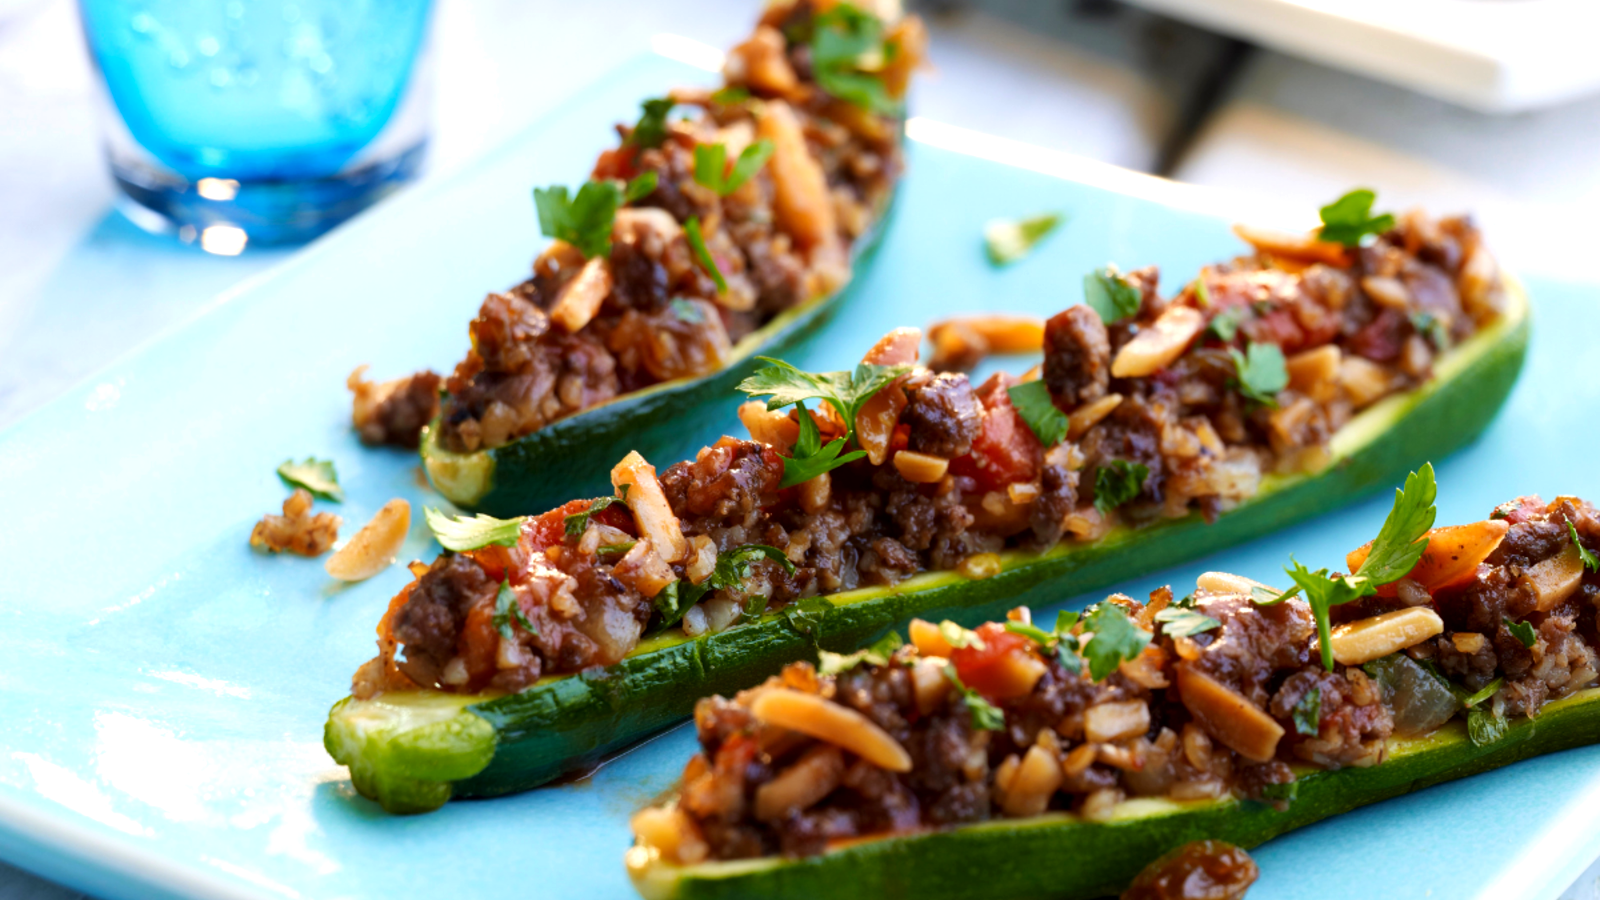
x=163 y=687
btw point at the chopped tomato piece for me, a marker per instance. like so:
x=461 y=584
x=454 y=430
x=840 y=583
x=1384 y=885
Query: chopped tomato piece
x=478 y=644
x=1005 y=450
x=620 y=163
x=1004 y=668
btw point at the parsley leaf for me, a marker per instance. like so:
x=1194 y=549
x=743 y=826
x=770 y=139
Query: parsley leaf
x=577 y=522
x=506 y=609
x=1110 y=295
x=1589 y=561
x=840 y=39
x=806 y=616
x=1202 y=293
x=640 y=187
x=1400 y=543
x=985 y=715
x=1008 y=240
x=1522 y=631
x=1178 y=621
x=1262 y=373
x=846 y=392
x=1308 y=713
x=1485 y=726
x=877 y=654
x=315 y=475
x=460 y=533
x=1484 y=693
x=651 y=130
x=1033 y=403
x=1349 y=219
x=810 y=458
x=697 y=243
x=711 y=165
x=1225 y=324
x=583 y=221
x=1115 y=639
x=1431 y=327
x=605 y=551
x=1117 y=482
x=1066 y=643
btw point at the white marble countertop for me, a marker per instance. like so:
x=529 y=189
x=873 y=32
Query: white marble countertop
x=80 y=286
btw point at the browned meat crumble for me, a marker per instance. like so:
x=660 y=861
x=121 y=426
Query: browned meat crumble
x=394 y=412
x=580 y=332
x=1221 y=711
x=953 y=472
x=297 y=530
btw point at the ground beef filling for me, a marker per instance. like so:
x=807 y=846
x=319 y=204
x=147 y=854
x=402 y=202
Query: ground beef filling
x=1220 y=712
x=580 y=332
x=1177 y=440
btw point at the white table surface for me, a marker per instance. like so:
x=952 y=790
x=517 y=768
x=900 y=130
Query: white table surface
x=80 y=286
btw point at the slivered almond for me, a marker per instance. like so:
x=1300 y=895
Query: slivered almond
x=1227 y=583
x=1313 y=368
x=1115 y=721
x=920 y=468
x=1555 y=579
x=796 y=788
x=670 y=831
x=1228 y=715
x=1089 y=415
x=1386 y=291
x=648 y=503
x=1034 y=783
x=374 y=546
x=1305 y=247
x=1159 y=345
x=878 y=416
x=581 y=297
x=802 y=205
x=1364 y=380
x=839 y=725
x=899 y=347
x=1363 y=641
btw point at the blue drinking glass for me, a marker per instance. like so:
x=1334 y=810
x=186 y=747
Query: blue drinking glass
x=259 y=121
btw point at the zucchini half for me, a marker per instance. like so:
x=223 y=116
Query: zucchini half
x=1069 y=858
x=548 y=467
x=412 y=752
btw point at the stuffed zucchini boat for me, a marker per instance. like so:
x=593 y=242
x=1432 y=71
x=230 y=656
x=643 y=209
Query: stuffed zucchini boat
x=1094 y=747
x=699 y=243
x=1267 y=391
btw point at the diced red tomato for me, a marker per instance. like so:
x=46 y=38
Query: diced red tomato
x=1276 y=327
x=620 y=163
x=988 y=671
x=1005 y=450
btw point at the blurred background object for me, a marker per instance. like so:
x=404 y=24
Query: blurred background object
x=268 y=121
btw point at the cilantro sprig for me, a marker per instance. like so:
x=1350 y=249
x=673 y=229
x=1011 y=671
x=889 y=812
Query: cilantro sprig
x=846 y=392
x=1008 y=240
x=1114 y=639
x=731 y=570
x=1181 y=621
x=316 y=476
x=1117 y=482
x=1349 y=219
x=1522 y=631
x=1225 y=324
x=876 y=654
x=711 y=165
x=1400 y=544
x=460 y=533
x=1033 y=403
x=842 y=39
x=585 y=220
x=1261 y=372
x=1110 y=295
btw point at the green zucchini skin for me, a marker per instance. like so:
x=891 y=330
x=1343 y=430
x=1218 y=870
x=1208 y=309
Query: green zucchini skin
x=562 y=460
x=564 y=724
x=1068 y=858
